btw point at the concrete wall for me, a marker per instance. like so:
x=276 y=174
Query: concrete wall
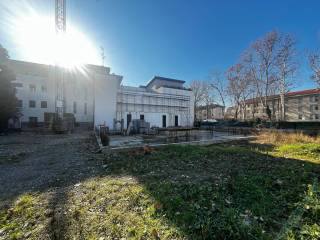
x=105 y=90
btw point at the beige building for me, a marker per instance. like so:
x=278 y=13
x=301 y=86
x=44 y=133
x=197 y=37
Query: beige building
x=299 y=106
x=212 y=111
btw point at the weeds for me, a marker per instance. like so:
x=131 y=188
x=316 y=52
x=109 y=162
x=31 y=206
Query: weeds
x=279 y=137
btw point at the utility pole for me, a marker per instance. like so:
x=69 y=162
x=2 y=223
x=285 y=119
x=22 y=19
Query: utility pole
x=60 y=24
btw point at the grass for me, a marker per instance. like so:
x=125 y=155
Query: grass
x=238 y=191
x=308 y=151
x=193 y=192
x=25 y=219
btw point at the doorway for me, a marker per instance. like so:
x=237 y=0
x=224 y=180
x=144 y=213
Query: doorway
x=129 y=117
x=164 y=121
x=176 y=121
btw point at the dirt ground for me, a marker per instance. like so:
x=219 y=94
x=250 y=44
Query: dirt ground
x=36 y=162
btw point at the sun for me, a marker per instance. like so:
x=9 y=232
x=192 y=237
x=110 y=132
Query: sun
x=36 y=40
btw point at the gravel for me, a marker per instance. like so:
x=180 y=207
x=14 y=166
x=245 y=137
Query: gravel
x=32 y=162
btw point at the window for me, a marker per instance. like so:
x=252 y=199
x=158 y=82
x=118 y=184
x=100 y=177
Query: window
x=74 y=107
x=32 y=104
x=300 y=108
x=314 y=98
x=314 y=108
x=44 y=88
x=85 y=108
x=32 y=88
x=43 y=104
x=316 y=116
x=20 y=104
x=141 y=117
x=300 y=100
x=300 y=116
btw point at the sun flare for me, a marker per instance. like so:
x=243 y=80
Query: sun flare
x=36 y=40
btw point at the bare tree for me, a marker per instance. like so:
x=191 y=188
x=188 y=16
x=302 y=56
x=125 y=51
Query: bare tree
x=199 y=89
x=209 y=97
x=218 y=84
x=239 y=87
x=262 y=62
x=287 y=65
x=314 y=61
x=271 y=63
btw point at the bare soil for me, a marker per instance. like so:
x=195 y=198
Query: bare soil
x=32 y=162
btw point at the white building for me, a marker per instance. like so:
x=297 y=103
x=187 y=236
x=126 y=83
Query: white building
x=94 y=95
x=163 y=102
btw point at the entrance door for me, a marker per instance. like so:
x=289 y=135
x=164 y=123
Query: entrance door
x=129 y=117
x=164 y=121
x=176 y=121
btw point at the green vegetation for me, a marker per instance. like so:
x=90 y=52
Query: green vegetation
x=239 y=191
x=308 y=151
x=8 y=100
x=26 y=219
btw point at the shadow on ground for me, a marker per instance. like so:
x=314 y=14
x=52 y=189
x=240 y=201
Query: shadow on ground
x=182 y=192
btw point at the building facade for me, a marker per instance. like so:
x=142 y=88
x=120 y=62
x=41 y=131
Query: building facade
x=36 y=92
x=299 y=106
x=163 y=102
x=210 y=112
x=95 y=96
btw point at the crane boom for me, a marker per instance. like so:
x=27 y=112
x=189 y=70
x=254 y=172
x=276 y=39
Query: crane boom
x=60 y=25
x=60 y=16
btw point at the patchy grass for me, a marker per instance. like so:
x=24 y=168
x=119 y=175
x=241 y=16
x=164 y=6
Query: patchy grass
x=279 y=137
x=117 y=208
x=308 y=151
x=187 y=192
x=193 y=192
x=25 y=219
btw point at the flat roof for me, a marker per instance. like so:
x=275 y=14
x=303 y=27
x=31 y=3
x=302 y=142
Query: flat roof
x=165 y=79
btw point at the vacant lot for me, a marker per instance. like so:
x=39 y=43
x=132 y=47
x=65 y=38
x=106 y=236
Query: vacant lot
x=258 y=190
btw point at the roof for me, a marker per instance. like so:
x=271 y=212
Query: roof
x=165 y=79
x=304 y=92
x=290 y=94
x=210 y=106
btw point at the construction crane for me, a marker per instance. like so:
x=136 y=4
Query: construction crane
x=60 y=24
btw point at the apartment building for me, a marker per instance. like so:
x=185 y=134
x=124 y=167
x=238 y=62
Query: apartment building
x=208 y=112
x=95 y=96
x=299 y=106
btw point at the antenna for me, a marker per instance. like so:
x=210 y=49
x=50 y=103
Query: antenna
x=102 y=55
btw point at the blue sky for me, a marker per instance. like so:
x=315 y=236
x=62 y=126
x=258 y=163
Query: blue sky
x=184 y=39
